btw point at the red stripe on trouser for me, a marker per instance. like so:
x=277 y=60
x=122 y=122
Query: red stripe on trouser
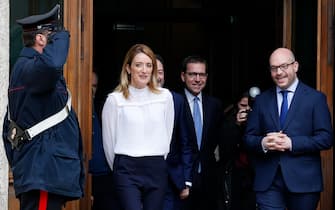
x=43 y=200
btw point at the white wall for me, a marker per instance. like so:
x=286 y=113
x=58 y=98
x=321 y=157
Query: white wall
x=4 y=71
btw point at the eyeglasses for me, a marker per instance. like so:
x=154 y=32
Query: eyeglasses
x=193 y=75
x=281 y=67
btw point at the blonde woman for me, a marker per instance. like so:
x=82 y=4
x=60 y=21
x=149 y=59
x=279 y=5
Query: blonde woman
x=137 y=124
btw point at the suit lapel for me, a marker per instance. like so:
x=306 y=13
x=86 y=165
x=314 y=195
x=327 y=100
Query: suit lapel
x=295 y=104
x=205 y=122
x=274 y=108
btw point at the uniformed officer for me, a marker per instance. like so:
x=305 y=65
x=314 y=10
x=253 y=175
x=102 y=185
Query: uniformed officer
x=41 y=132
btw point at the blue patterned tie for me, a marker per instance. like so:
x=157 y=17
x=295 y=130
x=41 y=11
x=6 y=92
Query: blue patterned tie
x=284 y=108
x=197 y=120
x=197 y=124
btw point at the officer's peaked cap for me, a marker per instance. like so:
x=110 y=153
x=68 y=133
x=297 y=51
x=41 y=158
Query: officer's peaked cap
x=36 y=22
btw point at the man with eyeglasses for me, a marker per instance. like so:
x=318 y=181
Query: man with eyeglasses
x=204 y=118
x=289 y=126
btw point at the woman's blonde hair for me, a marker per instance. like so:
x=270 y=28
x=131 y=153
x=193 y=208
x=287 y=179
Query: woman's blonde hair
x=125 y=77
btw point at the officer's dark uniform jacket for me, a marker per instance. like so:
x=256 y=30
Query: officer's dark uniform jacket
x=51 y=161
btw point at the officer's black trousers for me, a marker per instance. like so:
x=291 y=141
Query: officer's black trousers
x=41 y=200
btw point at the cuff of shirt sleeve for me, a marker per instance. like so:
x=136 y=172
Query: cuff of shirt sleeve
x=188 y=184
x=265 y=150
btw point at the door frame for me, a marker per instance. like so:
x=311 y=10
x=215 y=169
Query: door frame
x=78 y=19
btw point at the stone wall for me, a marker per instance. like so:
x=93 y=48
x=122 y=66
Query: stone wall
x=4 y=71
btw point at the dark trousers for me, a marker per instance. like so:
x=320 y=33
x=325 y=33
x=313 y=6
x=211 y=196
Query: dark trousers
x=172 y=200
x=203 y=194
x=41 y=200
x=140 y=182
x=242 y=195
x=103 y=192
x=278 y=197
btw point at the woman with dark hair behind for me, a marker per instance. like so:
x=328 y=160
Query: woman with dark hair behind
x=236 y=171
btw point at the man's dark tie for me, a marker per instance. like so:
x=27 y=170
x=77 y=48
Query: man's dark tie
x=284 y=108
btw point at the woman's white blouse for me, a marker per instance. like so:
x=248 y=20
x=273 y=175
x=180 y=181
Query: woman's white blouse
x=139 y=126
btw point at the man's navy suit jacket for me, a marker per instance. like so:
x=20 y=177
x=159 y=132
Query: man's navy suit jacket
x=308 y=124
x=212 y=117
x=180 y=159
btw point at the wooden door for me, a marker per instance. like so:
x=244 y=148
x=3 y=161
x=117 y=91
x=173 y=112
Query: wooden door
x=324 y=76
x=78 y=19
x=325 y=83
